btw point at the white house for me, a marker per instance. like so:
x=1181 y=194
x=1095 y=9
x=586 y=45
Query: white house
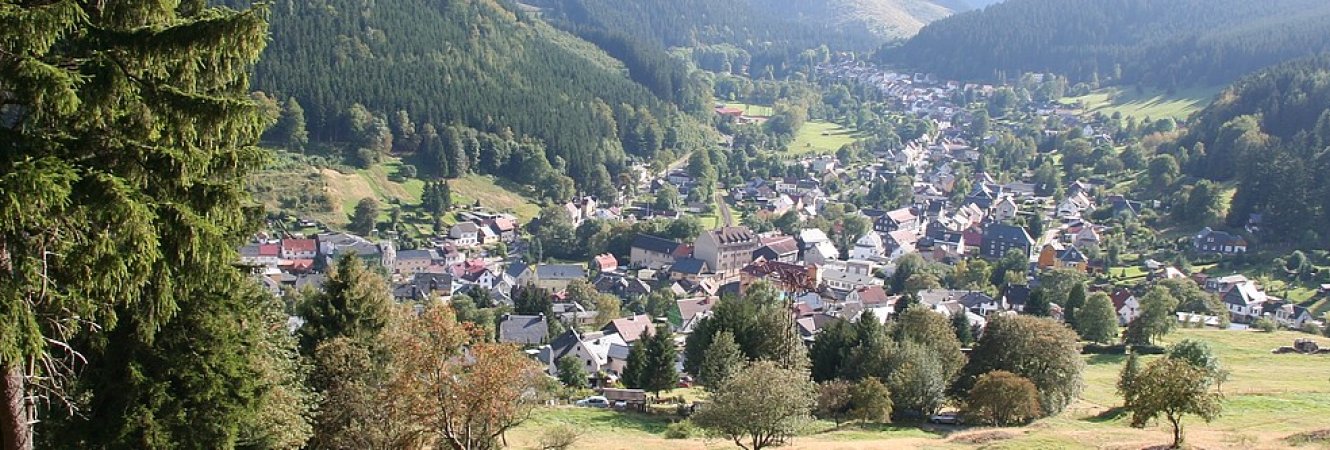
x=464 y=234
x=1126 y=305
x=869 y=247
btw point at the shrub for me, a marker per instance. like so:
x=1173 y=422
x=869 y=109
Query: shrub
x=559 y=437
x=1003 y=398
x=683 y=429
x=1264 y=324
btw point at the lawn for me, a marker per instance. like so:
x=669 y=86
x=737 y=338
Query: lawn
x=751 y=109
x=1268 y=398
x=1148 y=103
x=817 y=137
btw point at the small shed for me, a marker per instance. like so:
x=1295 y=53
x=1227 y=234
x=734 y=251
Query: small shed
x=634 y=399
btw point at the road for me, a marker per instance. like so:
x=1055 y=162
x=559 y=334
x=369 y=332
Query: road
x=726 y=219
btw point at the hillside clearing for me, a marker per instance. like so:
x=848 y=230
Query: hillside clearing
x=1144 y=104
x=820 y=138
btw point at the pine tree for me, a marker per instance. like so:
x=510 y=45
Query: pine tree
x=635 y=368
x=1037 y=304
x=127 y=135
x=354 y=304
x=960 y=322
x=1075 y=301
x=659 y=373
x=723 y=358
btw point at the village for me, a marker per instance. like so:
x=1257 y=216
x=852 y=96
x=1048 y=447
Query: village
x=1018 y=231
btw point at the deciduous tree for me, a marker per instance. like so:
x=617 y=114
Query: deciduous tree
x=1097 y=321
x=761 y=406
x=1173 y=388
x=1002 y=399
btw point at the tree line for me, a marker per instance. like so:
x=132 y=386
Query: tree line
x=1167 y=44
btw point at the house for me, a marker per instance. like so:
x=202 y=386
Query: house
x=1290 y=315
x=1001 y=238
x=1245 y=302
x=900 y=243
x=261 y=255
x=726 y=250
x=869 y=247
x=504 y=227
x=790 y=278
x=1014 y=296
x=690 y=269
x=299 y=248
x=870 y=297
x=778 y=248
x=690 y=312
x=411 y=262
x=464 y=234
x=591 y=349
x=630 y=329
x=551 y=277
x=849 y=276
x=1005 y=209
x=1048 y=255
x=605 y=263
x=900 y=219
x=1074 y=205
x=426 y=288
x=626 y=288
x=809 y=326
x=652 y=252
x=1212 y=241
x=523 y=330
x=1126 y=305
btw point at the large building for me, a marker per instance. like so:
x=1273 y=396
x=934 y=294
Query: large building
x=727 y=250
x=1001 y=238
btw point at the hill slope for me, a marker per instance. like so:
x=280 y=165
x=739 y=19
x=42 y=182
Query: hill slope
x=460 y=64
x=771 y=33
x=1164 y=43
x=1270 y=132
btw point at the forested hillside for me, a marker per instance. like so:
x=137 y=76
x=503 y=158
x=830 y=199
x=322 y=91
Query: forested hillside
x=1270 y=132
x=473 y=85
x=1160 y=43
x=761 y=36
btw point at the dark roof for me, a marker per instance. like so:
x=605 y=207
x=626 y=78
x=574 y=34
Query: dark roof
x=415 y=254
x=1006 y=233
x=519 y=329
x=515 y=269
x=560 y=271
x=1016 y=294
x=691 y=266
x=654 y=244
x=974 y=299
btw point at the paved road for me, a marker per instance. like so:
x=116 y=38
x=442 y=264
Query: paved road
x=725 y=218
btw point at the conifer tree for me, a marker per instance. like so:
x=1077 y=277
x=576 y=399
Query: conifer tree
x=127 y=133
x=354 y=304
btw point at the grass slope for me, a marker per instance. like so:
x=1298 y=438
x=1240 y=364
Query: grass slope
x=1145 y=103
x=817 y=137
x=1268 y=398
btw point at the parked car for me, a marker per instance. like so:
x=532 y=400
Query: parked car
x=594 y=401
x=947 y=418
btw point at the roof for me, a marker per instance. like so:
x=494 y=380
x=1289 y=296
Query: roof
x=733 y=235
x=902 y=215
x=414 y=254
x=299 y=245
x=813 y=236
x=1007 y=233
x=269 y=250
x=560 y=271
x=515 y=269
x=465 y=227
x=1119 y=298
x=873 y=295
x=1016 y=294
x=781 y=245
x=654 y=244
x=691 y=266
x=606 y=262
x=691 y=308
x=631 y=328
x=522 y=329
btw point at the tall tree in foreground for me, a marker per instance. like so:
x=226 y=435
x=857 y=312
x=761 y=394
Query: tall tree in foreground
x=1097 y=321
x=127 y=132
x=761 y=406
x=1002 y=398
x=354 y=304
x=1173 y=388
x=1039 y=349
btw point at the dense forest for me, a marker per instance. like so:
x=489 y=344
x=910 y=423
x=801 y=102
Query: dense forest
x=440 y=75
x=1270 y=132
x=1160 y=43
x=757 y=37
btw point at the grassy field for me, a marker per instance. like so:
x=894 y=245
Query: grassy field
x=1148 y=103
x=821 y=138
x=342 y=191
x=1268 y=399
x=751 y=109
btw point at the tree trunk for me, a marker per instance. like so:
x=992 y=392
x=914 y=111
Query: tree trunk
x=1177 y=432
x=15 y=431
